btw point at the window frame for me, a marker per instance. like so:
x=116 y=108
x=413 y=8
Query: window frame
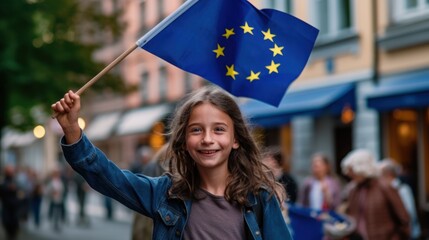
x=333 y=24
x=400 y=12
x=281 y=5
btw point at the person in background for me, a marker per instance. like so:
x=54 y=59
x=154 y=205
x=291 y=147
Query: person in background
x=36 y=197
x=322 y=190
x=144 y=156
x=390 y=171
x=10 y=197
x=376 y=207
x=54 y=190
x=143 y=226
x=273 y=158
x=82 y=189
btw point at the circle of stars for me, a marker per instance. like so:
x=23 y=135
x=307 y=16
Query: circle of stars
x=276 y=50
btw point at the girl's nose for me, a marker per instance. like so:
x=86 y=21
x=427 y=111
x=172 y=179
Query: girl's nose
x=207 y=138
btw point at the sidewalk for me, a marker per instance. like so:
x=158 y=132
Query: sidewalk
x=98 y=228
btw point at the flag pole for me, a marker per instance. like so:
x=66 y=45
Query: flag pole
x=103 y=72
x=106 y=69
x=141 y=42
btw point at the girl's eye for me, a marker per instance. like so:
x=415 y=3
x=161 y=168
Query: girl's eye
x=195 y=130
x=219 y=129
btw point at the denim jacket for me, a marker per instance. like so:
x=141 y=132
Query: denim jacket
x=148 y=195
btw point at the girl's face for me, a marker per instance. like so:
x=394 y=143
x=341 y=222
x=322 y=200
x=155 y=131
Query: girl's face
x=210 y=137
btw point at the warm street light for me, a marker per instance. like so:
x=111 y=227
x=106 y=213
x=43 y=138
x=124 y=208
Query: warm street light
x=39 y=131
x=81 y=123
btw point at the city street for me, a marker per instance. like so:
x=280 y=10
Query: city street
x=98 y=227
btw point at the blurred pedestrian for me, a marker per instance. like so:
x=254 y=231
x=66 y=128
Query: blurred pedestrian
x=36 y=198
x=218 y=189
x=376 y=207
x=66 y=177
x=143 y=226
x=11 y=198
x=144 y=156
x=390 y=172
x=82 y=189
x=321 y=190
x=26 y=187
x=279 y=166
x=54 y=190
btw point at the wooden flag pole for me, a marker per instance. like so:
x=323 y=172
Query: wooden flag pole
x=140 y=43
x=104 y=71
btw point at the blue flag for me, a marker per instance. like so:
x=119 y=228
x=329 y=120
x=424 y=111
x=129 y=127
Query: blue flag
x=248 y=52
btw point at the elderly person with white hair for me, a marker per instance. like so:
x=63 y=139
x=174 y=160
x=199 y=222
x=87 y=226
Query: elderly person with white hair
x=376 y=207
x=390 y=171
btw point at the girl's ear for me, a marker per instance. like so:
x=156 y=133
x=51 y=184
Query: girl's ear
x=235 y=145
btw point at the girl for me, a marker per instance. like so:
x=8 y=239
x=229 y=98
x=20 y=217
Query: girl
x=217 y=187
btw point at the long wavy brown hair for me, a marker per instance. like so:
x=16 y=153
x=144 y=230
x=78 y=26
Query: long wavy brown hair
x=247 y=173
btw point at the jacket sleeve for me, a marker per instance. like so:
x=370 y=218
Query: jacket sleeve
x=135 y=191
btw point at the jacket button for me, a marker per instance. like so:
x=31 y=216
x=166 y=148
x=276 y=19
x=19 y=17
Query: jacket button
x=178 y=233
x=257 y=233
x=248 y=210
x=168 y=218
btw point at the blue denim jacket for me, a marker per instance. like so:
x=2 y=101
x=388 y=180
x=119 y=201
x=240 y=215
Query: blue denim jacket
x=148 y=195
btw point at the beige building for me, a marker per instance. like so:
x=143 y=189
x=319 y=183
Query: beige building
x=366 y=85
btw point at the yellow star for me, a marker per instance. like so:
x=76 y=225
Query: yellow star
x=273 y=67
x=276 y=50
x=219 y=51
x=231 y=72
x=268 y=35
x=253 y=76
x=228 y=33
x=247 y=28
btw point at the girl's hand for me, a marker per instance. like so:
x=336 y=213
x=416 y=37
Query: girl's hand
x=67 y=112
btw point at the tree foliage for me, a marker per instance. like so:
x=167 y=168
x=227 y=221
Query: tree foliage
x=46 y=48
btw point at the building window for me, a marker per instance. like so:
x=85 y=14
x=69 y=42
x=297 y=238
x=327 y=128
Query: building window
x=144 y=87
x=408 y=9
x=143 y=27
x=160 y=9
x=402 y=136
x=188 y=82
x=163 y=83
x=282 y=5
x=333 y=17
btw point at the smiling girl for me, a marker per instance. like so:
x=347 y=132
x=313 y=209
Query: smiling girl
x=217 y=187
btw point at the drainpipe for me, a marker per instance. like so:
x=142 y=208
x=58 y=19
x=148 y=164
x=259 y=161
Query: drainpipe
x=375 y=54
x=375 y=73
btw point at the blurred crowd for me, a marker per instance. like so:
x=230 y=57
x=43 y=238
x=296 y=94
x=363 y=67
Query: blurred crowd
x=23 y=190
x=372 y=196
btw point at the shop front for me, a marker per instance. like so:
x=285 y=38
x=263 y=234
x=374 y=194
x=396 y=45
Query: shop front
x=402 y=101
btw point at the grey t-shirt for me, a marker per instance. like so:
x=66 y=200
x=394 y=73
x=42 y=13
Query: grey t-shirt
x=213 y=217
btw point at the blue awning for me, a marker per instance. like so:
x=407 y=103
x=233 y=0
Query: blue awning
x=314 y=102
x=408 y=90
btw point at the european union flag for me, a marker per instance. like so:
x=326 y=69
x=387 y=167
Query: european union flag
x=248 y=52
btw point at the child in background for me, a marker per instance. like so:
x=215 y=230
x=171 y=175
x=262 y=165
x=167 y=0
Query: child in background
x=217 y=187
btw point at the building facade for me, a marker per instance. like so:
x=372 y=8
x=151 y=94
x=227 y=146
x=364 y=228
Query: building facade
x=366 y=85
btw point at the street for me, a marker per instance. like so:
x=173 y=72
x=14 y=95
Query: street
x=98 y=227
